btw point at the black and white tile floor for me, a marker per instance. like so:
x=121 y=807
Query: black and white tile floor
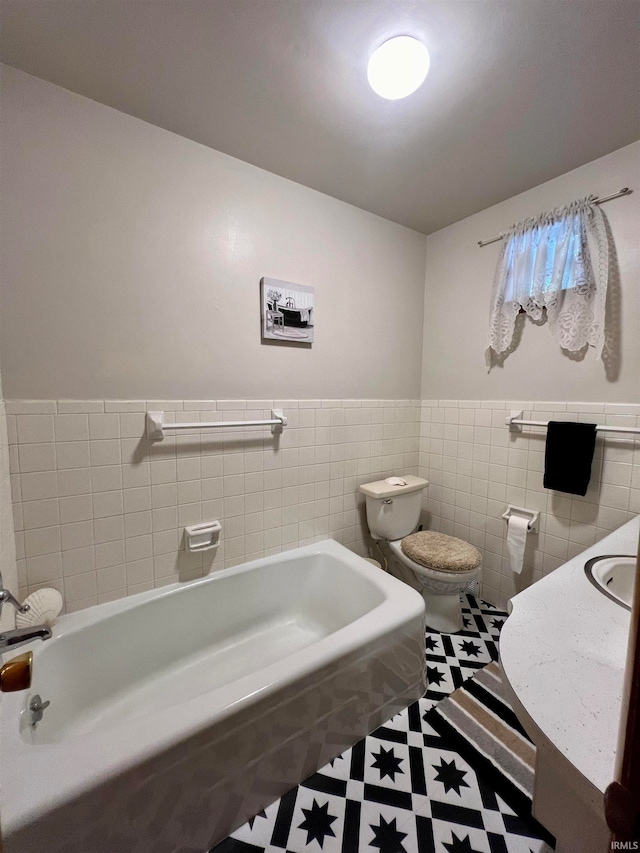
x=401 y=789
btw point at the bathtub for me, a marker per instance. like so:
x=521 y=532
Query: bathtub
x=179 y=713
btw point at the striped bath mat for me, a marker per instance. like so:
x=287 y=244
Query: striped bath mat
x=482 y=727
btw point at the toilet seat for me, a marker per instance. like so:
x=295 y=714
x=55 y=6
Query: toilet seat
x=456 y=578
x=441 y=552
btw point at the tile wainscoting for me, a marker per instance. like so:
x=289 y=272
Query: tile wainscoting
x=99 y=510
x=476 y=466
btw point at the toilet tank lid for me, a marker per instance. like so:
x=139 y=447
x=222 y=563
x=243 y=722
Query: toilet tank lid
x=383 y=489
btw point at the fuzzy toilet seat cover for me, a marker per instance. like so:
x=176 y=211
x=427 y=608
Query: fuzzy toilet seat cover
x=441 y=552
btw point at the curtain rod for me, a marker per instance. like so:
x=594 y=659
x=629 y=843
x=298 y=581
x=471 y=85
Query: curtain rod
x=623 y=191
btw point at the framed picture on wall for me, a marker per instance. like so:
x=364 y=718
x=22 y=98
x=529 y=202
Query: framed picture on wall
x=288 y=312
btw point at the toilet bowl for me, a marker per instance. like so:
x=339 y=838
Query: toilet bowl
x=393 y=511
x=440 y=589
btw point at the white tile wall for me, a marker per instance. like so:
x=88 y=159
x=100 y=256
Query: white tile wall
x=99 y=510
x=476 y=466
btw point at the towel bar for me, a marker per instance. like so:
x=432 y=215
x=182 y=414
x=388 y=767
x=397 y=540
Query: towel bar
x=515 y=422
x=156 y=427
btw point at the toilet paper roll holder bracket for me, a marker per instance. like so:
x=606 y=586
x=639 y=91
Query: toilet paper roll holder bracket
x=532 y=516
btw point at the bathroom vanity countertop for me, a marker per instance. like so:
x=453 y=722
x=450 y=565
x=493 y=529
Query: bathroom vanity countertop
x=563 y=651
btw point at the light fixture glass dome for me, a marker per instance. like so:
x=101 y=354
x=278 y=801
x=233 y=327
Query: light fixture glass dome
x=398 y=67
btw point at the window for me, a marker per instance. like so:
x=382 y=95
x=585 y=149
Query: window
x=545 y=268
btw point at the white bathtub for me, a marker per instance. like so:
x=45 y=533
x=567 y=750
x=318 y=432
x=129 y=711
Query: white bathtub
x=179 y=713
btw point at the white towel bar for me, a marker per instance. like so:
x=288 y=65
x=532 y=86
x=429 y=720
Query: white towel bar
x=156 y=427
x=514 y=421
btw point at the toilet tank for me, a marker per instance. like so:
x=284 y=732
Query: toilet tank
x=393 y=506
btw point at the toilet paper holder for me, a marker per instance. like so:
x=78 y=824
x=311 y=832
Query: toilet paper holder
x=532 y=516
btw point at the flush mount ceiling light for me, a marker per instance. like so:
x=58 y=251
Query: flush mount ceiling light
x=398 y=67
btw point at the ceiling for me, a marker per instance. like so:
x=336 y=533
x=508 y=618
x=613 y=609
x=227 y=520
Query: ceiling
x=519 y=91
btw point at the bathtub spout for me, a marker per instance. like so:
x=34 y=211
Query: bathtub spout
x=20 y=636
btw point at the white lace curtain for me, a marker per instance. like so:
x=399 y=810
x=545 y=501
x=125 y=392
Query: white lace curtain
x=545 y=265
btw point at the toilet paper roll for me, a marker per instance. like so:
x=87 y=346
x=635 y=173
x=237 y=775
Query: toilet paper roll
x=516 y=541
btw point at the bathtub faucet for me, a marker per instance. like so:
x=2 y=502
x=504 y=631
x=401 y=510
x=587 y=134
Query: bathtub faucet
x=20 y=636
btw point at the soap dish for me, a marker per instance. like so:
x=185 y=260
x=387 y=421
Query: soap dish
x=202 y=537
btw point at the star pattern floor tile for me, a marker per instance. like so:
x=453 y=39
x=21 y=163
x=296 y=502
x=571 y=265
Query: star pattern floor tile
x=402 y=789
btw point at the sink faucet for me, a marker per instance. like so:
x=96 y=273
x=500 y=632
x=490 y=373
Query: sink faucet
x=19 y=636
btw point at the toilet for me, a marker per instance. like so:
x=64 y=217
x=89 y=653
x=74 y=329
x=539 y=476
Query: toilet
x=442 y=565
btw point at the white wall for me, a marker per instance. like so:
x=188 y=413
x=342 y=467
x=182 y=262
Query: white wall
x=458 y=287
x=132 y=258
x=131 y=265
x=474 y=464
x=7 y=538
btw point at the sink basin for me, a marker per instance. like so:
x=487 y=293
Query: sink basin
x=614 y=575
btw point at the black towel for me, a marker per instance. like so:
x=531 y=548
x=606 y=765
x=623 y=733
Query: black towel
x=568 y=455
